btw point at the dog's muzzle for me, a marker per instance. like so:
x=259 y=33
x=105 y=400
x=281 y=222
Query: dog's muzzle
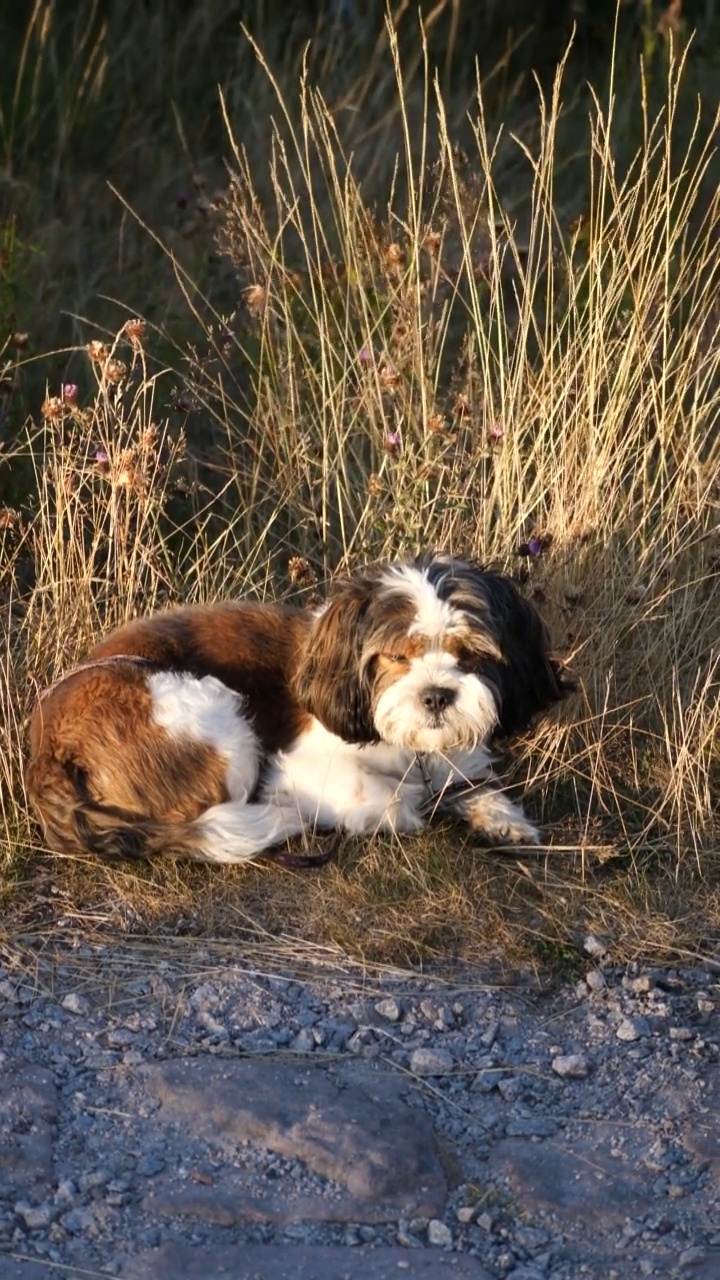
x=437 y=699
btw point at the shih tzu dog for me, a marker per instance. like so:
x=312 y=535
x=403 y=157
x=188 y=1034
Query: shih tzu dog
x=216 y=732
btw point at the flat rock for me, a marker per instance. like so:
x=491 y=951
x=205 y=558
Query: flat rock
x=28 y=1111
x=17 y=1269
x=354 y=1129
x=299 y=1262
x=701 y=1135
x=576 y=1180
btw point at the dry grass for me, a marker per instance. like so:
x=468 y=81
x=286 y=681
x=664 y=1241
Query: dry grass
x=541 y=393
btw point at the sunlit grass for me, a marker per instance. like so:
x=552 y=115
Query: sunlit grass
x=545 y=397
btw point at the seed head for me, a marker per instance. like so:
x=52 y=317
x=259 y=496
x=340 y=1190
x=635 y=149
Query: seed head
x=97 y=351
x=301 y=572
x=435 y=424
x=53 y=409
x=256 y=299
x=135 y=331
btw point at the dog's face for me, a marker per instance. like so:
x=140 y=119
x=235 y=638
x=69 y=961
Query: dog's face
x=432 y=654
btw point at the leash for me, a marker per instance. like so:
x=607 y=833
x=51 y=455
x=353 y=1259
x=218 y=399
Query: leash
x=451 y=790
x=112 y=660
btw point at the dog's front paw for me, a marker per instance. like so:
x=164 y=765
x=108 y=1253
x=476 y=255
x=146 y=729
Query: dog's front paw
x=498 y=819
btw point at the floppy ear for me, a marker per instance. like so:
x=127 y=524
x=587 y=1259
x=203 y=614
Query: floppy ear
x=327 y=681
x=532 y=679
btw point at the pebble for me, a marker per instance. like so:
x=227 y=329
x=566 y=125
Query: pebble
x=389 y=1009
x=632 y=1028
x=75 y=1003
x=439 y=1234
x=572 y=1065
x=431 y=1062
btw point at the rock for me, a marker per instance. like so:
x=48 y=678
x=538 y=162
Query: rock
x=389 y=1009
x=36 y=1217
x=632 y=1028
x=355 y=1130
x=465 y=1214
x=579 y=1181
x=431 y=1062
x=295 y=1262
x=439 y=1234
x=692 y=1256
x=28 y=1112
x=73 y=1002
x=572 y=1065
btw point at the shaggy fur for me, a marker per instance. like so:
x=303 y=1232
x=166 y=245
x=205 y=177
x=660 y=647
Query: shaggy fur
x=216 y=732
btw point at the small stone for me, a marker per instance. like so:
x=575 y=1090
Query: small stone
x=642 y=984
x=389 y=1009
x=680 y=1033
x=439 y=1234
x=572 y=1065
x=431 y=1062
x=304 y=1041
x=632 y=1028
x=689 y=1257
x=465 y=1214
x=76 y=1221
x=75 y=1003
x=36 y=1217
x=595 y=979
x=594 y=947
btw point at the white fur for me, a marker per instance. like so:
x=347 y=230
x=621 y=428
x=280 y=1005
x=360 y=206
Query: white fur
x=433 y=617
x=498 y=818
x=337 y=784
x=400 y=716
x=238 y=832
x=205 y=710
x=363 y=789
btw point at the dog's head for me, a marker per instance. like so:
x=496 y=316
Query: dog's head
x=430 y=654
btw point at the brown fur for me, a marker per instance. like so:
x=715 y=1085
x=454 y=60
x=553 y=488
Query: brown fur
x=103 y=778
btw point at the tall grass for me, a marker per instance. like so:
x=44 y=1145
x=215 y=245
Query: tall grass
x=541 y=393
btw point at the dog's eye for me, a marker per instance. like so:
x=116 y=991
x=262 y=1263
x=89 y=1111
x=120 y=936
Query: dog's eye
x=466 y=659
x=397 y=659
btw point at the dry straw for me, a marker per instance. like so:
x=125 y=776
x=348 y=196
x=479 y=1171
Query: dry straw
x=449 y=371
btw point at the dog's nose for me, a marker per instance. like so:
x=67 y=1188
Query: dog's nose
x=437 y=699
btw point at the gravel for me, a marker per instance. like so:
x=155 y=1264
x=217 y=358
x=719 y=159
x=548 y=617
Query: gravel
x=151 y=1111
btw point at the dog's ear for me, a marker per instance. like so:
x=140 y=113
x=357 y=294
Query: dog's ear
x=533 y=680
x=328 y=681
x=529 y=678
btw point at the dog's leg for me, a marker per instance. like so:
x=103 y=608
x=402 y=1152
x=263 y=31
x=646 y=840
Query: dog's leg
x=488 y=811
x=335 y=785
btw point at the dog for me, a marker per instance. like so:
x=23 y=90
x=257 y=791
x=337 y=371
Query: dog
x=216 y=732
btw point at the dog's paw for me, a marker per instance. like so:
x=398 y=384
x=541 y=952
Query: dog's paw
x=499 y=820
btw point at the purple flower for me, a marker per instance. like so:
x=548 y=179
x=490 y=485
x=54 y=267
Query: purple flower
x=102 y=461
x=393 y=442
x=69 y=393
x=534 y=546
x=496 y=431
x=365 y=355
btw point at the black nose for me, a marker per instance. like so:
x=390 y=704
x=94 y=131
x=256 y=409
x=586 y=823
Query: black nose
x=437 y=699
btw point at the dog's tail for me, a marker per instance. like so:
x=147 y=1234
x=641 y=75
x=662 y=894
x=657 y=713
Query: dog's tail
x=236 y=831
